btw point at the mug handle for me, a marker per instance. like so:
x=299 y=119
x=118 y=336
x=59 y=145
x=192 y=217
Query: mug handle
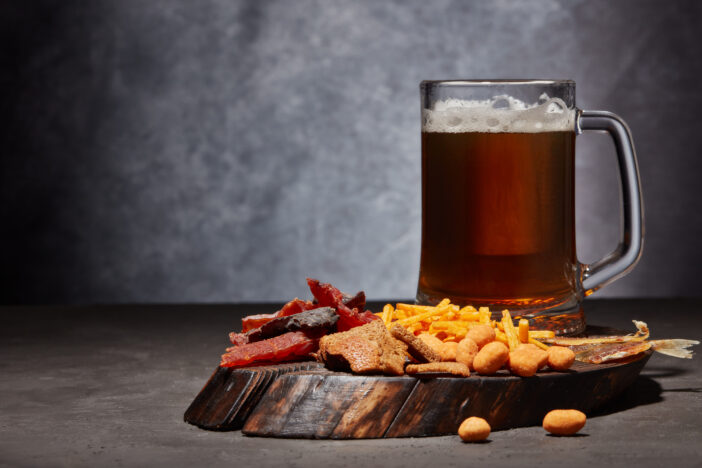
x=622 y=259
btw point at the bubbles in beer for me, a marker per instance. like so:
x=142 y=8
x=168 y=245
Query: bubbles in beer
x=501 y=114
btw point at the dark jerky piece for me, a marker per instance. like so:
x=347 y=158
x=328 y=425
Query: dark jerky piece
x=315 y=322
x=291 y=308
x=357 y=301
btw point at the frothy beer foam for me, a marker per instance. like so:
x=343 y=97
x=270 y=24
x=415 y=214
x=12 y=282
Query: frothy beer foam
x=501 y=114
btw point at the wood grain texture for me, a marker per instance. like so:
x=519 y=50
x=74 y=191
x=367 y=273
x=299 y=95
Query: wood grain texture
x=228 y=397
x=332 y=405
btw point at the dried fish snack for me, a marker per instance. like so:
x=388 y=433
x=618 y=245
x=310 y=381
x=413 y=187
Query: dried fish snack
x=642 y=334
x=599 y=349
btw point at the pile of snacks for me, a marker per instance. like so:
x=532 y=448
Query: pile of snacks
x=293 y=332
x=451 y=323
x=464 y=339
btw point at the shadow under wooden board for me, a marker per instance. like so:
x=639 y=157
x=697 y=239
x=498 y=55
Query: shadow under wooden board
x=305 y=400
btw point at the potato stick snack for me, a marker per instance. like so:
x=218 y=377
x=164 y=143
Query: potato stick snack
x=413 y=308
x=417 y=318
x=450 y=323
x=484 y=315
x=470 y=316
x=523 y=331
x=387 y=314
x=437 y=312
x=537 y=343
x=510 y=331
x=500 y=336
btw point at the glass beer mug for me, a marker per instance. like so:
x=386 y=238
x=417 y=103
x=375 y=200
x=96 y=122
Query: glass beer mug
x=498 y=200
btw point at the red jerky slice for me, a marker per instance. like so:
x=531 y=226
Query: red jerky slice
x=238 y=339
x=326 y=294
x=368 y=316
x=280 y=348
x=291 y=308
x=329 y=296
x=350 y=318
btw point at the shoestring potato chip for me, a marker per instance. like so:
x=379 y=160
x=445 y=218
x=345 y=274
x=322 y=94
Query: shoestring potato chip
x=451 y=323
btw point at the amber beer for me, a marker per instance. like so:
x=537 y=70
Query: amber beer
x=498 y=222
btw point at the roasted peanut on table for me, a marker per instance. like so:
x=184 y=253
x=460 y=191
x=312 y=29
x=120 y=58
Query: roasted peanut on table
x=564 y=421
x=491 y=358
x=448 y=351
x=474 y=429
x=466 y=351
x=560 y=358
x=481 y=334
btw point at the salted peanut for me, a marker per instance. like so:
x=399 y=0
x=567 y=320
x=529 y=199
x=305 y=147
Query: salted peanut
x=474 y=429
x=481 y=334
x=432 y=341
x=527 y=347
x=491 y=358
x=564 y=421
x=560 y=358
x=523 y=363
x=466 y=351
x=448 y=351
x=539 y=354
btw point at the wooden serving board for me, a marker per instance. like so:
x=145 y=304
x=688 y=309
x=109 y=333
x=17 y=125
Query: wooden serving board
x=305 y=400
x=321 y=404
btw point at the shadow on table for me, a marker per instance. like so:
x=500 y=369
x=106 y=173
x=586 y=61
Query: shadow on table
x=644 y=391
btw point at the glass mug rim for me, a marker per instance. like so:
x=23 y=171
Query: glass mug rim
x=508 y=82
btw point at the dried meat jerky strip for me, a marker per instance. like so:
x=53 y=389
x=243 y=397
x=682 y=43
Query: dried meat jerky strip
x=315 y=322
x=350 y=318
x=291 y=308
x=325 y=294
x=328 y=295
x=357 y=301
x=286 y=347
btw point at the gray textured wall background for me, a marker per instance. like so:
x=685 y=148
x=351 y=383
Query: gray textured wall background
x=223 y=151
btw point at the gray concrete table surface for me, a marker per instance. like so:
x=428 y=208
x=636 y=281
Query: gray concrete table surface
x=108 y=385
